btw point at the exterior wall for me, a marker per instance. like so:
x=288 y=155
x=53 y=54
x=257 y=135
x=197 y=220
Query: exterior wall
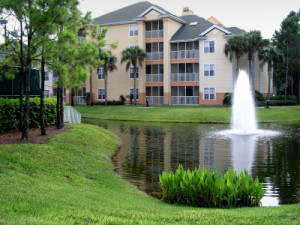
x=222 y=81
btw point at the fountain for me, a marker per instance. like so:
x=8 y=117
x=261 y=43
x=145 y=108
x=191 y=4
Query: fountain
x=243 y=109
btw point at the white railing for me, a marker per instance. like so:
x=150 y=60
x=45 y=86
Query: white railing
x=184 y=77
x=184 y=100
x=154 y=78
x=79 y=100
x=152 y=56
x=155 y=100
x=154 y=34
x=185 y=54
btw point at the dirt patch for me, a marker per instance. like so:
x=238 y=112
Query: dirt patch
x=34 y=135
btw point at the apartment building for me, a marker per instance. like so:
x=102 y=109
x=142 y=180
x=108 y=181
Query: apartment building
x=185 y=62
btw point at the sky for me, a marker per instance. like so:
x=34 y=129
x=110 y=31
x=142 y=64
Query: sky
x=263 y=15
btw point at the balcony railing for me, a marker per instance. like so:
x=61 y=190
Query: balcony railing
x=154 y=78
x=154 y=34
x=155 y=100
x=152 y=56
x=184 y=100
x=184 y=77
x=79 y=100
x=186 y=54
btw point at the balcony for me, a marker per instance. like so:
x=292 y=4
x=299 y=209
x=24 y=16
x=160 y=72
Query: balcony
x=154 y=34
x=79 y=100
x=185 y=100
x=155 y=100
x=185 y=54
x=184 y=77
x=154 y=56
x=152 y=78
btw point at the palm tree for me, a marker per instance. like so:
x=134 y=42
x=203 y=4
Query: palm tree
x=271 y=57
x=235 y=47
x=254 y=42
x=108 y=66
x=133 y=56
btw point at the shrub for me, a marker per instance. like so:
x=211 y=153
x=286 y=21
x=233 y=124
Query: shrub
x=114 y=102
x=122 y=99
x=211 y=189
x=277 y=103
x=259 y=96
x=281 y=97
x=10 y=109
x=227 y=99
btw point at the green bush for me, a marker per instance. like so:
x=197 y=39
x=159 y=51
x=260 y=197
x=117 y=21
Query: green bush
x=10 y=109
x=111 y=103
x=281 y=97
x=227 y=99
x=259 y=96
x=211 y=189
x=277 y=103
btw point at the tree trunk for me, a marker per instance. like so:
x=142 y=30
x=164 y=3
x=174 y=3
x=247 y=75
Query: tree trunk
x=28 y=73
x=134 y=86
x=286 y=71
x=105 y=86
x=91 y=88
x=58 y=107
x=21 y=116
x=42 y=119
x=61 y=110
x=72 y=96
x=269 y=85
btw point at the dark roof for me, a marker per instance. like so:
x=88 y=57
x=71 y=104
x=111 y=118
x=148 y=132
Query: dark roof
x=192 y=32
x=235 y=30
x=128 y=14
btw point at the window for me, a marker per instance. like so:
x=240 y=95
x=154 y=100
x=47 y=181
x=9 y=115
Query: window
x=101 y=93
x=133 y=30
x=209 y=70
x=46 y=76
x=46 y=93
x=209 y=93
x=209 y=47
x=136 y=92
x=131 y=72
x=100 y=73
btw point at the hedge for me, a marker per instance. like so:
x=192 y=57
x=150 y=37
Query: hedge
x=10 y=108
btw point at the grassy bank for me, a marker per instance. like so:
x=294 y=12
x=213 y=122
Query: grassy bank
x=70 y=181
x=198 y=114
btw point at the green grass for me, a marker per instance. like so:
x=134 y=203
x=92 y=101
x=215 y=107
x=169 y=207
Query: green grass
x=196 y=114
x=70 y=181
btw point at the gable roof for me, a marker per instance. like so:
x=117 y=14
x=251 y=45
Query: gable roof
x=215 y=21
x=198 y=27
x=133 y=13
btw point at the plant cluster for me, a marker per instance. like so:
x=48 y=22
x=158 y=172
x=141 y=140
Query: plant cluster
x=211 y=189
x=9 y=112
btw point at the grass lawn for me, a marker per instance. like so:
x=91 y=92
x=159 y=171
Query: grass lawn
x=70 y=181
x=198 y=114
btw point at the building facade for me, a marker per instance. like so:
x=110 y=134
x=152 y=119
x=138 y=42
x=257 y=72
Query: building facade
x=185 y=62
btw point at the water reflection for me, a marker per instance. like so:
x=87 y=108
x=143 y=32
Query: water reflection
x=150 y=148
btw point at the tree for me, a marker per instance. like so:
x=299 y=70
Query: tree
x=133 y=56
x=108 y=66
x=271 y=57
x=254 y=42
x=287 y=40
x=235 y=47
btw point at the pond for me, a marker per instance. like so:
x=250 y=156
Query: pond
x=150 y=148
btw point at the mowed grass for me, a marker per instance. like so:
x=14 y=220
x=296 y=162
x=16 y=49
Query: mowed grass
x=70 y=181
x=188 y=114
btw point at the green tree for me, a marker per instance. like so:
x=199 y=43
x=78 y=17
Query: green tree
x=109 y=65
x=133 y=56
x=254 y=42
x=287 y=40
x=271 y=57
x=235 y=47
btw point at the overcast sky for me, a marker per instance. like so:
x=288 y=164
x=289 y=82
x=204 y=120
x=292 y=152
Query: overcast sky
x=263 y=15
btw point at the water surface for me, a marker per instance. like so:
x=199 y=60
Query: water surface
x=150 y=148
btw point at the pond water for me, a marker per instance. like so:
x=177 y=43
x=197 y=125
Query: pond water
x=150 y=148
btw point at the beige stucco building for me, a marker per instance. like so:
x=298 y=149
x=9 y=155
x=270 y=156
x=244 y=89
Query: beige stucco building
x=185 y=62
